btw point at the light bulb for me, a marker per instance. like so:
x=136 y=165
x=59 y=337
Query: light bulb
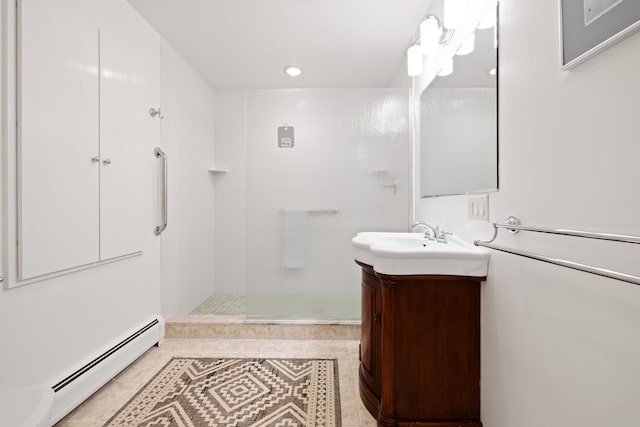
x=468 y=45
x=293 y=70
x=415 y=62
x=430 y=35
x=455 y=12
x=492 y=72
x=447 y=68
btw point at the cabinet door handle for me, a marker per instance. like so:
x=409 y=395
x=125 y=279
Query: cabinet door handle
x=95 y=159
x=106 y=162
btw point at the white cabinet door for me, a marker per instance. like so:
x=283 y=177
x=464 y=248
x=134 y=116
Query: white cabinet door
x=129 y=86
x=58 y=136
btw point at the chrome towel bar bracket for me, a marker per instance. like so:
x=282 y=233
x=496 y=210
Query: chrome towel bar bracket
x=514 y=225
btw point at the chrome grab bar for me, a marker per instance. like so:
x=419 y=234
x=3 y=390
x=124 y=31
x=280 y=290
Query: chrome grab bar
x=161 y=154
x=513 y=224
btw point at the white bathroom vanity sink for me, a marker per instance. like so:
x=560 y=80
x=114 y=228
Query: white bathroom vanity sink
x=413 y=254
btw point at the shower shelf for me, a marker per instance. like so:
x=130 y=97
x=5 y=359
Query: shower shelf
x=218 y=169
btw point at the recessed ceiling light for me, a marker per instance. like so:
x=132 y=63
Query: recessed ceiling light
x=293 y=70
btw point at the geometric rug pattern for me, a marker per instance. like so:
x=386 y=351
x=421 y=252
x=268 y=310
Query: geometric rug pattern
x=210 y=392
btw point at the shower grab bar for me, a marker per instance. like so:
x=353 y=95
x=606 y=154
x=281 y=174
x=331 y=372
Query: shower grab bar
x=161 y=154
x=513 y=224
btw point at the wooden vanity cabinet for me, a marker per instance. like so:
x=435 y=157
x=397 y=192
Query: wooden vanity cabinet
x=370 y=340
x=420 y=349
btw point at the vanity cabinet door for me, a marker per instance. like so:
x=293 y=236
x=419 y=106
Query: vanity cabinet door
x=58 y=201
x=370 y=350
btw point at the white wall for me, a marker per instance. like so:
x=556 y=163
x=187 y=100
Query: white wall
x=559 y=347
x=188 y=134
x=400 y=78
x=231 y=192
x=47 y=328
x=349 y=144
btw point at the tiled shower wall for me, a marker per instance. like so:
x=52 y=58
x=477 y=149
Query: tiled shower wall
x=347 y=172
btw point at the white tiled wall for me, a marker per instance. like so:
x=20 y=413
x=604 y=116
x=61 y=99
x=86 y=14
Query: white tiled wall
x=349 y=143
x=231 y=151
x=188 y=139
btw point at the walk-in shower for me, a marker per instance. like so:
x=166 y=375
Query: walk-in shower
x=286 y=213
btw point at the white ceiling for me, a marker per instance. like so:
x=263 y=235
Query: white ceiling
x=246 y=43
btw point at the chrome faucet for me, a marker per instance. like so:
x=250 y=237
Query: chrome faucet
x=431 y=232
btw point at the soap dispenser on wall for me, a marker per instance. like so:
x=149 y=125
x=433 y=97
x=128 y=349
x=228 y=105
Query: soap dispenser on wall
x=285 y=136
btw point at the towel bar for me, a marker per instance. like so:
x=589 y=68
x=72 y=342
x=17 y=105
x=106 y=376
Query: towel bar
x=513 y=224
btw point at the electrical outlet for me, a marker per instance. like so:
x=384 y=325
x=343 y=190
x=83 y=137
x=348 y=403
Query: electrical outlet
x=478 y=207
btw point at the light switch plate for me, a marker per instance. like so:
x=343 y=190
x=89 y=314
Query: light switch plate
x=478 y=207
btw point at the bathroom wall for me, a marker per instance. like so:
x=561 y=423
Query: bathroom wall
x=349 y=144
x=231 y=191
x=188 y=134
x=347 y=172
x=400 y=78
x=49 y=327
x=559 y=347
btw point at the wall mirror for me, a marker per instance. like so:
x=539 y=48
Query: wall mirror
x=457 y=114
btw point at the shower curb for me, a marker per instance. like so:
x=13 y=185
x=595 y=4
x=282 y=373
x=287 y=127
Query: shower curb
x=227 y=327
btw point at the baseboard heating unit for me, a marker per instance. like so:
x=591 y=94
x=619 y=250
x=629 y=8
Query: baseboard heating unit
x=87 y=378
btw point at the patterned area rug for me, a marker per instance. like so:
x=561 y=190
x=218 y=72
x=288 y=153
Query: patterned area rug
x=208 y=392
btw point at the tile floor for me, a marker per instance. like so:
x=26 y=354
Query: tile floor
x=230 y=304
x=104 y=403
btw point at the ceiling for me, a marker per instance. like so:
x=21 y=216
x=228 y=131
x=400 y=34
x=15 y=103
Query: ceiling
x=247 y=43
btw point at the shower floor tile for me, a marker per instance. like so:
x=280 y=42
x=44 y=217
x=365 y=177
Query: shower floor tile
x=331 y=308
x=226 y=304
x=105 y=402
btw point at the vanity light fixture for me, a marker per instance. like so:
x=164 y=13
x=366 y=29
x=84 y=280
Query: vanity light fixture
x=467 y=46
x=293 y=70
x=447 y=68
x=455 y=13
x=430 y=33
x=415 y=63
